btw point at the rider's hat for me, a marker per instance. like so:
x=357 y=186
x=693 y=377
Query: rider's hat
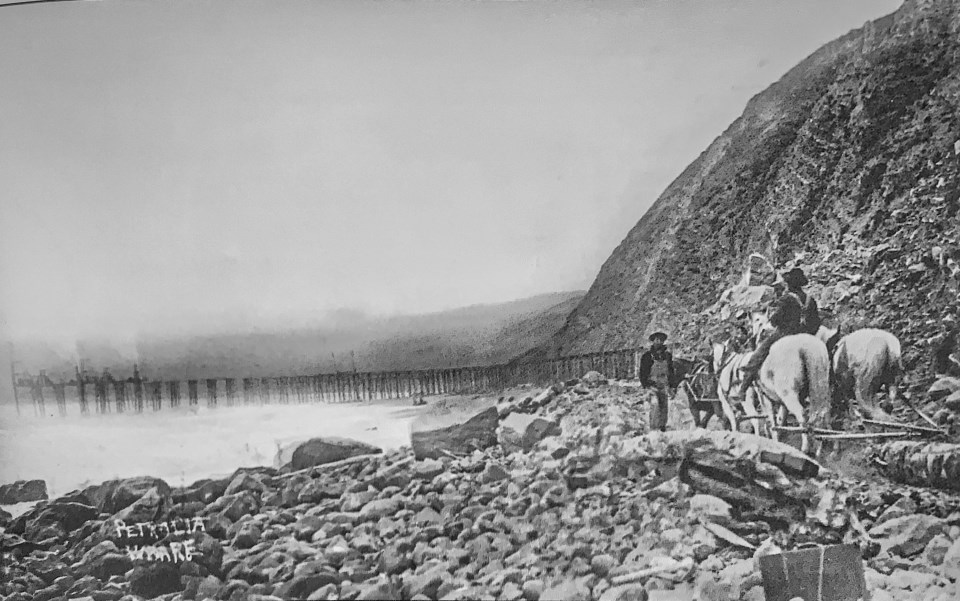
x=660 y=335
x=795 y=277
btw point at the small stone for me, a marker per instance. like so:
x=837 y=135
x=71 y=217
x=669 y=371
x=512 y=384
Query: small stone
x=912 y=580
x=355 y=501
x=380 y=508
x=209 y=587
x=672 y=536
x=302 y=586
x=318 y=490
x=602 y=564
x=593 y=378
x=936 y=549
x=533 y=589
x=493 y=473
x=626 y=592
x=380 y=590
x=904 y=506
x=569 y=590
x=248 y=536
x=426 y=583
x=427 y=516
x=907 y=535
x=709 y=506
x=754 y=594
x=323 y=593
x=428 y=469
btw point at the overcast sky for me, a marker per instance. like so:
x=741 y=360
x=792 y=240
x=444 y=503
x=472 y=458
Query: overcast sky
x=207 y=164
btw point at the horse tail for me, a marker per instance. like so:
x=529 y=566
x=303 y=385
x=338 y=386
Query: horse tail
x=838 y=372
x=816 y=367
x=896 y=359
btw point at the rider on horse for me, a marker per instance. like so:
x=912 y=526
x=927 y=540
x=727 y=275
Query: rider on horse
x=796 y=313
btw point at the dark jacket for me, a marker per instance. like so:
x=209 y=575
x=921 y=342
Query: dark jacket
x=646 y=365
x=796 y=313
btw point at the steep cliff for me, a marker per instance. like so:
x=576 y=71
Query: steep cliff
x=852 y=149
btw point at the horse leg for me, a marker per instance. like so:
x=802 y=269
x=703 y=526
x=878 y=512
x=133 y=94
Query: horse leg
x=864 y=391
x=791 y=403
x=772 y=423
x=707 y=415
x=727 y=408
x=692 y=404
x=750 y=409
x=780 y=419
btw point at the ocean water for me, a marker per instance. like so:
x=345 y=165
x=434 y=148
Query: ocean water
x=181 y=445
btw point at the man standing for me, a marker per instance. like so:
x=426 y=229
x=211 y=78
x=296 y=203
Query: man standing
x=657 y=375
x=796 y=313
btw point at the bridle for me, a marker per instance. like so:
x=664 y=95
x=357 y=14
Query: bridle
x=726 y=357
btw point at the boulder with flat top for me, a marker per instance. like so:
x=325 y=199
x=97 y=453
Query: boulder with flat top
x=320 y=451
x=479 y=432
x=23 y=491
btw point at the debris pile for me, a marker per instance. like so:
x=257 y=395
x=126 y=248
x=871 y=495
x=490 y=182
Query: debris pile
x=572 y=499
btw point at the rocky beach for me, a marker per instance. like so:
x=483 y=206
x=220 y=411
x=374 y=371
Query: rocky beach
x=563 y=495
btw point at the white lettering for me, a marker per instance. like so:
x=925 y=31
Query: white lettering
x=163 y=554
x=189 y=550
x=176 y=550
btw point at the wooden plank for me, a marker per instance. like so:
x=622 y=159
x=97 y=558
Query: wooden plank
x=864 y=436
x=884 y=424
x=833 y=573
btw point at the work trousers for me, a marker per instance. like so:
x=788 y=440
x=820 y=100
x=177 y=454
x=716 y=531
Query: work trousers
x=659 y=407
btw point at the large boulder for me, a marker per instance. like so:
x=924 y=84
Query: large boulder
x=205 y=491
x=244 y=480
x=55 y=519
x=23 y=491
x=476 y=433
x=233 y=507
x=155 y=579
x=520 y=431
x=319 y=451
x=115 y=495
x=148 y=508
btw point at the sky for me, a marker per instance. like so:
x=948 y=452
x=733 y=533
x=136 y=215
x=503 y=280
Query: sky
x=196 y=165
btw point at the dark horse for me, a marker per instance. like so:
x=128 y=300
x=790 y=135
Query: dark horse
x=697 y=380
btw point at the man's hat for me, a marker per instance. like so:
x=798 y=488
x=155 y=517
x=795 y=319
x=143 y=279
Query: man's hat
x=795 y=277
x=660 y=335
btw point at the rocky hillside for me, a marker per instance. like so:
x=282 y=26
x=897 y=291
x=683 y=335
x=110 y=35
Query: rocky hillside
x=846 y=166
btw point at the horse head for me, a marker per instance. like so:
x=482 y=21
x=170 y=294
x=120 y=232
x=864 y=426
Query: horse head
x=720 y=351
x=759 y=323
x=829 y=337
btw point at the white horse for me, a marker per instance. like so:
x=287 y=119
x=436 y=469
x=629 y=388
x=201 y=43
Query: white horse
x=728 y=366
x=794 y=376
x=863 y=362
